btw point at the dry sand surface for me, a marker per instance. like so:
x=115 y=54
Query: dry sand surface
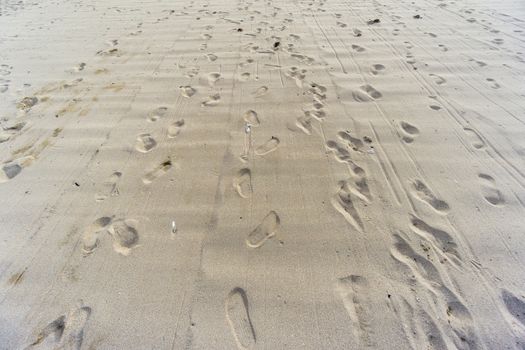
x=312 y=174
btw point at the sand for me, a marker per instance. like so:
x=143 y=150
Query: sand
x=262 y=174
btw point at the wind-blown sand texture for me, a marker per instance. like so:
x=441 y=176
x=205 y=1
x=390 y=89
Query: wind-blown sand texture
x=313 y=174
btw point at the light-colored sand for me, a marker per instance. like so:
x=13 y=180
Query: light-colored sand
x=377 y=198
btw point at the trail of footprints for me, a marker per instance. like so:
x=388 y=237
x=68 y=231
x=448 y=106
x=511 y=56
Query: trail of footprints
x=67 y=330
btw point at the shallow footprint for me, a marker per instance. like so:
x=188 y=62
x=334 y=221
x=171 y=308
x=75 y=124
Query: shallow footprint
x=353 y=291
x=187 y=91
x=343 y=203
x=145 y=143
x=157 y=114
x=109 y=187
x=242 y=182
x=366 y=93
x=238 y=316
x=358 y=48
x=212 y=100
x=377 y=68
x=264 y=231
x=261 y=91
x=91 y=233
x=175 y=128
x=476 y=140
x=213 y=78
x=409 y=131
x=423 y=193
x=490 y=191
x=269 y=146
x=250 y=116
x=157 y=172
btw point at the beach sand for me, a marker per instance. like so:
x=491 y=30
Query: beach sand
x=318 y=174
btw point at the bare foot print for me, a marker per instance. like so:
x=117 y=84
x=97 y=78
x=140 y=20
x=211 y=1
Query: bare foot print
x=175 y=128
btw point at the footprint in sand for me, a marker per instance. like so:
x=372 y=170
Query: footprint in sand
x=377 y=69
x=341 y=24
x=65 y=332
x=213 y=78
x=244 y=76
x=366 y=93
x=515 y=305
x=175 y=128
x=440 y=239
x=475 y=139
x=211 y=100
x=353 y=291
x=157 y=172
x=156 y=114
x=91 y=234
x=251 y=117
x=260 y=92
x=123 y=231
x=304 y=123
x=187 y=91
x=435 y=107
x=409 y=131
x=9 y=171
x=238 y=317
x=298 y=75
x=145 y=143
x=267 y=147
x=439 y=80
x=343 y=203
x=340 y=152
x=493 y=84
x=125 y=236
x=424 y=194
x=490 y=191
x=443 y=47
x=356 y=32
x=358 y=48
x=242 y=183
x=211 y=57
x=109 y=187
x=266 y=230
x=354 y=143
